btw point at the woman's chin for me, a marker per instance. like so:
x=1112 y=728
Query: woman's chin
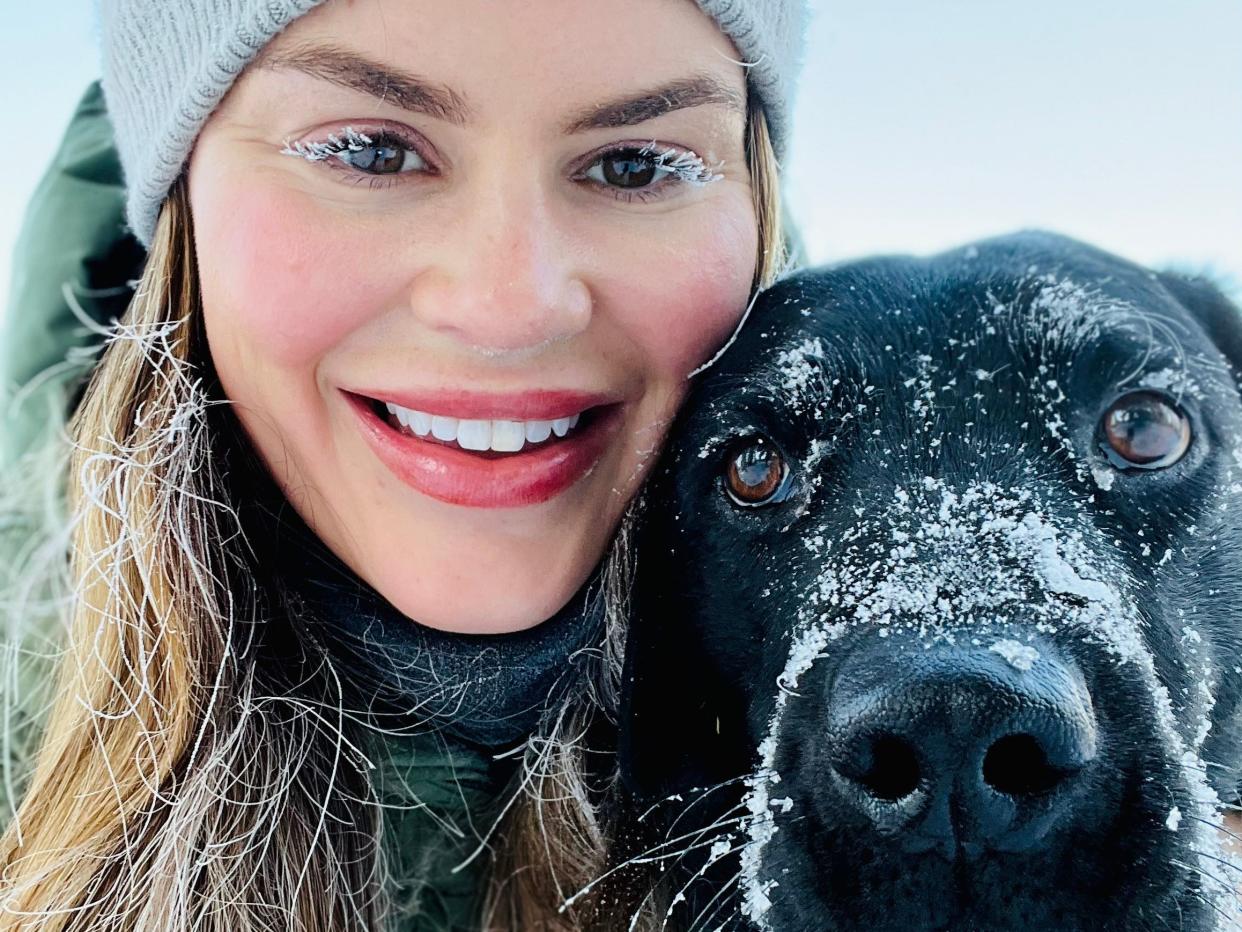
x=480 y=612
x=471 y=588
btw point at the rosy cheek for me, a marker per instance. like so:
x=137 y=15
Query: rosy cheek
x=295 y=286
x=692 y=307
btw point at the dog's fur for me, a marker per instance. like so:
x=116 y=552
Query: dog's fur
x=947 y=486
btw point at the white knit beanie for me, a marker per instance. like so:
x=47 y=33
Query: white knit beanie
x=168 y=63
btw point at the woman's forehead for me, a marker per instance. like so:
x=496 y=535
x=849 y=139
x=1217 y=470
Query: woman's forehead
x=460 y=60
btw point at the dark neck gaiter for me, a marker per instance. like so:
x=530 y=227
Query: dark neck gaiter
x=486 y=690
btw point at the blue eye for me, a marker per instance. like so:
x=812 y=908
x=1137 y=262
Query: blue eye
x=379 y=153
x=383 y=158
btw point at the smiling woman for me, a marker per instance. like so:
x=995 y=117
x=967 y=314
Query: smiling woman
x=495 y=261
x=348 y=489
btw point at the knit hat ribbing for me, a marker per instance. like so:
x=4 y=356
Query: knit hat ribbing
x=167 y=64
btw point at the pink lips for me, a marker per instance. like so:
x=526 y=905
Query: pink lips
x=490 y=480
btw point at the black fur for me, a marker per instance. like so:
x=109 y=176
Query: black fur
x=893 y=387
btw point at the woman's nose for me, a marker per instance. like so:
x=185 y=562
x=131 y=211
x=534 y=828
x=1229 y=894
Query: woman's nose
x=505 y=279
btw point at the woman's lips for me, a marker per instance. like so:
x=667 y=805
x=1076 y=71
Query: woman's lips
x=488 y=479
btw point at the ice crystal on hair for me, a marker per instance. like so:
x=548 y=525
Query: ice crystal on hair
x=688 y=166
x=354 y=141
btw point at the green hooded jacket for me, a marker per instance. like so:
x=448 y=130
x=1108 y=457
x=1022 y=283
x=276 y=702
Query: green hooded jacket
x=71 y=266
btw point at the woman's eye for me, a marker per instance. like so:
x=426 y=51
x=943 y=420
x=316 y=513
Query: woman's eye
x=756 y=474
x=385 y=159
x=379 y=153
x=627 y=168
x=1144 y=430
x=640 y=168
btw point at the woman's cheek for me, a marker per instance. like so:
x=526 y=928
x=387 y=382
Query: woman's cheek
x=296 y=284
x=693 y=306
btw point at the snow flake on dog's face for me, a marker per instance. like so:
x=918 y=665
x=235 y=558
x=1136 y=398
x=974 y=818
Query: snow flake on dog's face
x=945 y=562
x=951 y=484
x=798 y=367
x=1177 y=382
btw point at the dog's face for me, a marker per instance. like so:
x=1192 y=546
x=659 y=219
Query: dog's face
x=939 y=604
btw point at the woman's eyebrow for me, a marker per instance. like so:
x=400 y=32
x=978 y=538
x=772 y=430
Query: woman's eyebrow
x=694 y=91
x=355 y=72
x=408 y=91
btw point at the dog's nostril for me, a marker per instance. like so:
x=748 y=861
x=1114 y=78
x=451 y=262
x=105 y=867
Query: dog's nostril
x=894 y=771
x=1017 y=766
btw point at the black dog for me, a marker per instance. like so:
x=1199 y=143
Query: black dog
x=939 y=606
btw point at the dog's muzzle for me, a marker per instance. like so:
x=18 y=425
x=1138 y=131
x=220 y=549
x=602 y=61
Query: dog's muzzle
x=959 y=748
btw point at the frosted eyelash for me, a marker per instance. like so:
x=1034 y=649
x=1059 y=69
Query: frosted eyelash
x=687 y=166
x=354 y=141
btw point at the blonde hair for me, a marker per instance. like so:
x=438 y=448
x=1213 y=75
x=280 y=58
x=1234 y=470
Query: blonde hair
x=167 y=785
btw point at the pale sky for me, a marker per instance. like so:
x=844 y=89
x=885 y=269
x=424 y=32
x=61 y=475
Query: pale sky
x=920 y=124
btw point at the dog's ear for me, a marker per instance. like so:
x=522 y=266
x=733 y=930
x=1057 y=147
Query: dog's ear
x=1216 y=314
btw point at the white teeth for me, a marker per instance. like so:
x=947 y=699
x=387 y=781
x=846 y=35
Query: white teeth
x=503 y=436
x=508 y=436
x=420 y=423
x=443 y=428
x=474 y=435
x=538 y=431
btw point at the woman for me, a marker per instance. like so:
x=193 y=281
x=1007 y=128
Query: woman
x=424 y=285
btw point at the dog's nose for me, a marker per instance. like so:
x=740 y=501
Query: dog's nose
x=960 y=749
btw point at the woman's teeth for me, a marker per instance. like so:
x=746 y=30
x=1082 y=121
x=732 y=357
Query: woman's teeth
x=501 y=436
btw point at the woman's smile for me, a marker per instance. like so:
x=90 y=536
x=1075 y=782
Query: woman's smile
x=491 y=451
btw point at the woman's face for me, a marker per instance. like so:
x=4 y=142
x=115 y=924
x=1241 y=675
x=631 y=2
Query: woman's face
x=494 y=216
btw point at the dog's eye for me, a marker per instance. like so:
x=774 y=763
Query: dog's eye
x=756 y=474
x=1144 y=430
